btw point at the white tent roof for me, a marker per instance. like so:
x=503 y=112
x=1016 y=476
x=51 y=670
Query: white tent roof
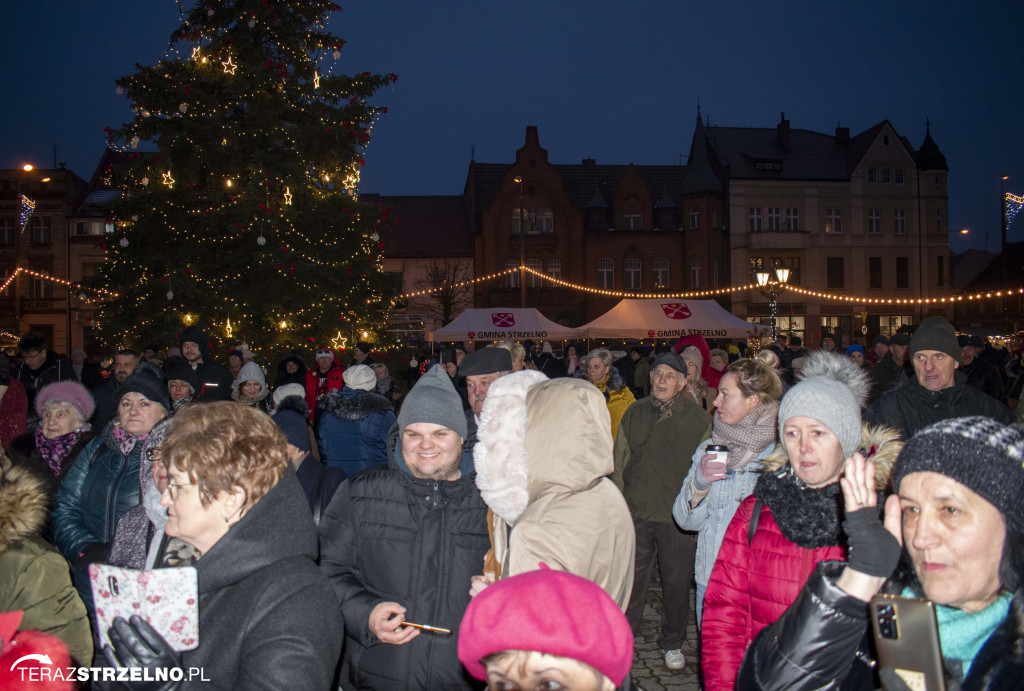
x=668 y=318
x=503 y=323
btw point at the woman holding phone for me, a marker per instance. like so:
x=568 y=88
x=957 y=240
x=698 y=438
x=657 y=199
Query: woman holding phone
x=953 y=532
x=267 y=616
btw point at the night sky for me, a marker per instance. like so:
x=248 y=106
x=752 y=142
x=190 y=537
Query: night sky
x=616 y=81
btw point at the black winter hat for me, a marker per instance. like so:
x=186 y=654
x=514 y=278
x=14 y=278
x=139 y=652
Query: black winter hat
x=981 y=454
x=148 y=380
x=796 y=341
x=935 y=333
x=880 y=338
x=486 y=361
x=178 y=368
x=670 y=360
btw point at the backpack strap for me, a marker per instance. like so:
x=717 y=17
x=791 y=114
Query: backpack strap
x=754 y=518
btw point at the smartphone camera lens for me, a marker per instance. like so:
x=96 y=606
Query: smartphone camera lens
x=887 y=621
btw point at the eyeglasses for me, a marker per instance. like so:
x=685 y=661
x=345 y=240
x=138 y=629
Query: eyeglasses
x=173 y=488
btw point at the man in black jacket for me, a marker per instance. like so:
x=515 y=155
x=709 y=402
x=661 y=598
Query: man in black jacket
x=214 y=379
x=937 y=391
x=40 y=366
x=401 y=543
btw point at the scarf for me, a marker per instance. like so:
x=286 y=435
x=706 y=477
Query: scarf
x=383 y=386
x=963 y=634
x=808 y=517
x=179 y=403
x=749 y=436
x=572 y=363
x=125 y=441
x=55 y=450
x=250 y=401
x=664 y=406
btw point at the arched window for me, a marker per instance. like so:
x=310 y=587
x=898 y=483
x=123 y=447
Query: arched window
x=632 y=219
x=695 y=217
x=533 y=280
x=631 y=273
x=512 y=278
x=554 y=268
x=695 y=272
x=606 y=273
x=659 y=272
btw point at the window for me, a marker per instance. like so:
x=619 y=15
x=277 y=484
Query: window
x=554 y=268
x=632 y=219
x=41 y=230
x=6 y=231
x=874 y=272
x=516 y=220
x=605 y=274
x=512 y=278
x=939 y=227
x=899 y=221
x=899 y=176
x=835 y=273
x=714 y=218
x=40 y=288
x=659 y=272
x=792 y=218
x=533 y=280
x=890 y=324
x=695 y=217
x=942 y=270
x=834 y=221
x=886 y=176
x=631 y=273
x=89 y=228
x=794 y=270
x=872 y=175
x=543 y=222
x=938 y=183
x=773 y=218
x=755 y=220
x=902 y=272
x=874 y=221
x=695 y=272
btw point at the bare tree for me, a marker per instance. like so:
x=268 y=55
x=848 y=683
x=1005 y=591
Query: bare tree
x=447 y=299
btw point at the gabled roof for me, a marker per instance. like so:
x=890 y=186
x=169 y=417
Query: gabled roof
x=425 y=226
x=98 y=196
x=811 y=155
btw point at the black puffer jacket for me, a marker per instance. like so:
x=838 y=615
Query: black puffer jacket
x=214 y=379
x=912 y=407
x=824 y=641
x=268 y=618
x=388 y=536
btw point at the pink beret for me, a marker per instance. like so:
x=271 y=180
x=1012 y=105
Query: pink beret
x=550 y=612
x=70 y=392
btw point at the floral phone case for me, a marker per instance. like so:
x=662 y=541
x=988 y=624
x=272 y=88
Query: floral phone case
x=166 y=598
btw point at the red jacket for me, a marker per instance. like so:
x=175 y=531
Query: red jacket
x=752 y=584
x=708 y=373
x=13 y=411
x=334 y=381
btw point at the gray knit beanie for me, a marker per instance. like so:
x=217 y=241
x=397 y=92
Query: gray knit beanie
x=935 y=333
x=434 y=400
x=981 y=454
x=832 y=392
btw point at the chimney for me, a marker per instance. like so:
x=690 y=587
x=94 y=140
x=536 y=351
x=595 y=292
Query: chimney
x=782 y=131
x=589 y=162
x=842 y=135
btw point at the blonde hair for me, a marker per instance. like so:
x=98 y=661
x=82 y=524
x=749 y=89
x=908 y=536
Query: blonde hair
x=768 y=357
x=691 y=356
x=223 y=445
x=755 y=377
x=516 y=350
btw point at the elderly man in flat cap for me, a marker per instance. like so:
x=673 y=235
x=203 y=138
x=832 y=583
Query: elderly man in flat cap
x=481 y=368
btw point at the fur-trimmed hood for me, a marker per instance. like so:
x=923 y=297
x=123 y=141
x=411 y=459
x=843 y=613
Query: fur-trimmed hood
x=538 y=436
x=294 y=403
x=885 y=441
x=614 y=381
x=24 y=506
x=351 y=404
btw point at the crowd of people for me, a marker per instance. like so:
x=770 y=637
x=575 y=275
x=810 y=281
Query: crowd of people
x=494 y=516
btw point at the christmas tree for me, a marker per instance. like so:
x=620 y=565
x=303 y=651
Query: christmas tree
x=245 y=218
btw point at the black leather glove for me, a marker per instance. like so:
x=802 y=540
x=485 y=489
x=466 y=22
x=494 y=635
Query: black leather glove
x=94 y=552
x=134 y=643
x=873 y=549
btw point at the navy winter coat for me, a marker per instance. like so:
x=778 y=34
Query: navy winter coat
x=353 y=429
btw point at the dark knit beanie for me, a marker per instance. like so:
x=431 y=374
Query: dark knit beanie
x=981 y=454
x=364 y=347
x=935 y=333
x=148 y=380
x=293 y=426
x=796 y=341
x=178 y=368
x=434 y=400
x=900 y=339
x=880 y=338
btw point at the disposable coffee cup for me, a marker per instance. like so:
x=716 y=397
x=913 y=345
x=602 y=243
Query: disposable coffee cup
x=721 y=452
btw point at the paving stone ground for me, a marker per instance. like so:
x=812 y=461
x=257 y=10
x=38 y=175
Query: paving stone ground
x=649 y=670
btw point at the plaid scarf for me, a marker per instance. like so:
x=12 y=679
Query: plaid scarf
x=749 y=436
x=664 y=406
x=55 y=450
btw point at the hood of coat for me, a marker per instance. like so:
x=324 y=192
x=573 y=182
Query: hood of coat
x=294 y=403
x=251 y=372
x=350 y=404
x=300 y=373
x=538 y=436
x=24 y=506
x=885 y=441
x=196 y=334
x=278 y=527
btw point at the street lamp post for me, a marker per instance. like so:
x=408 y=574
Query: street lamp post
x=771 y=288
x=522 y=245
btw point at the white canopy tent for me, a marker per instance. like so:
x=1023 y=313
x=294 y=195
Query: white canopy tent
x=668 y=318
x=503 y=323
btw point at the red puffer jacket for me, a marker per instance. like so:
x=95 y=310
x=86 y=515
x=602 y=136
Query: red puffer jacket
x=752 y=584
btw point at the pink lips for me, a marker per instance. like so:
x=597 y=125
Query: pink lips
x=932 y=566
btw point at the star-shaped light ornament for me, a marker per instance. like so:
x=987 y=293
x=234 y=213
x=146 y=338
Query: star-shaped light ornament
x=195 y=53
x=287 y=195
x=316 y=80
x=229 y=67
x=168 y=180
x=339 y=341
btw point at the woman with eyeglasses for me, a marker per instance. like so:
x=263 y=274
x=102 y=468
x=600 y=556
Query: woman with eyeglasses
x=103 y=482
x=268 y=618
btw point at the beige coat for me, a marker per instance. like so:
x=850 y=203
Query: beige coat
x=550 y=495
